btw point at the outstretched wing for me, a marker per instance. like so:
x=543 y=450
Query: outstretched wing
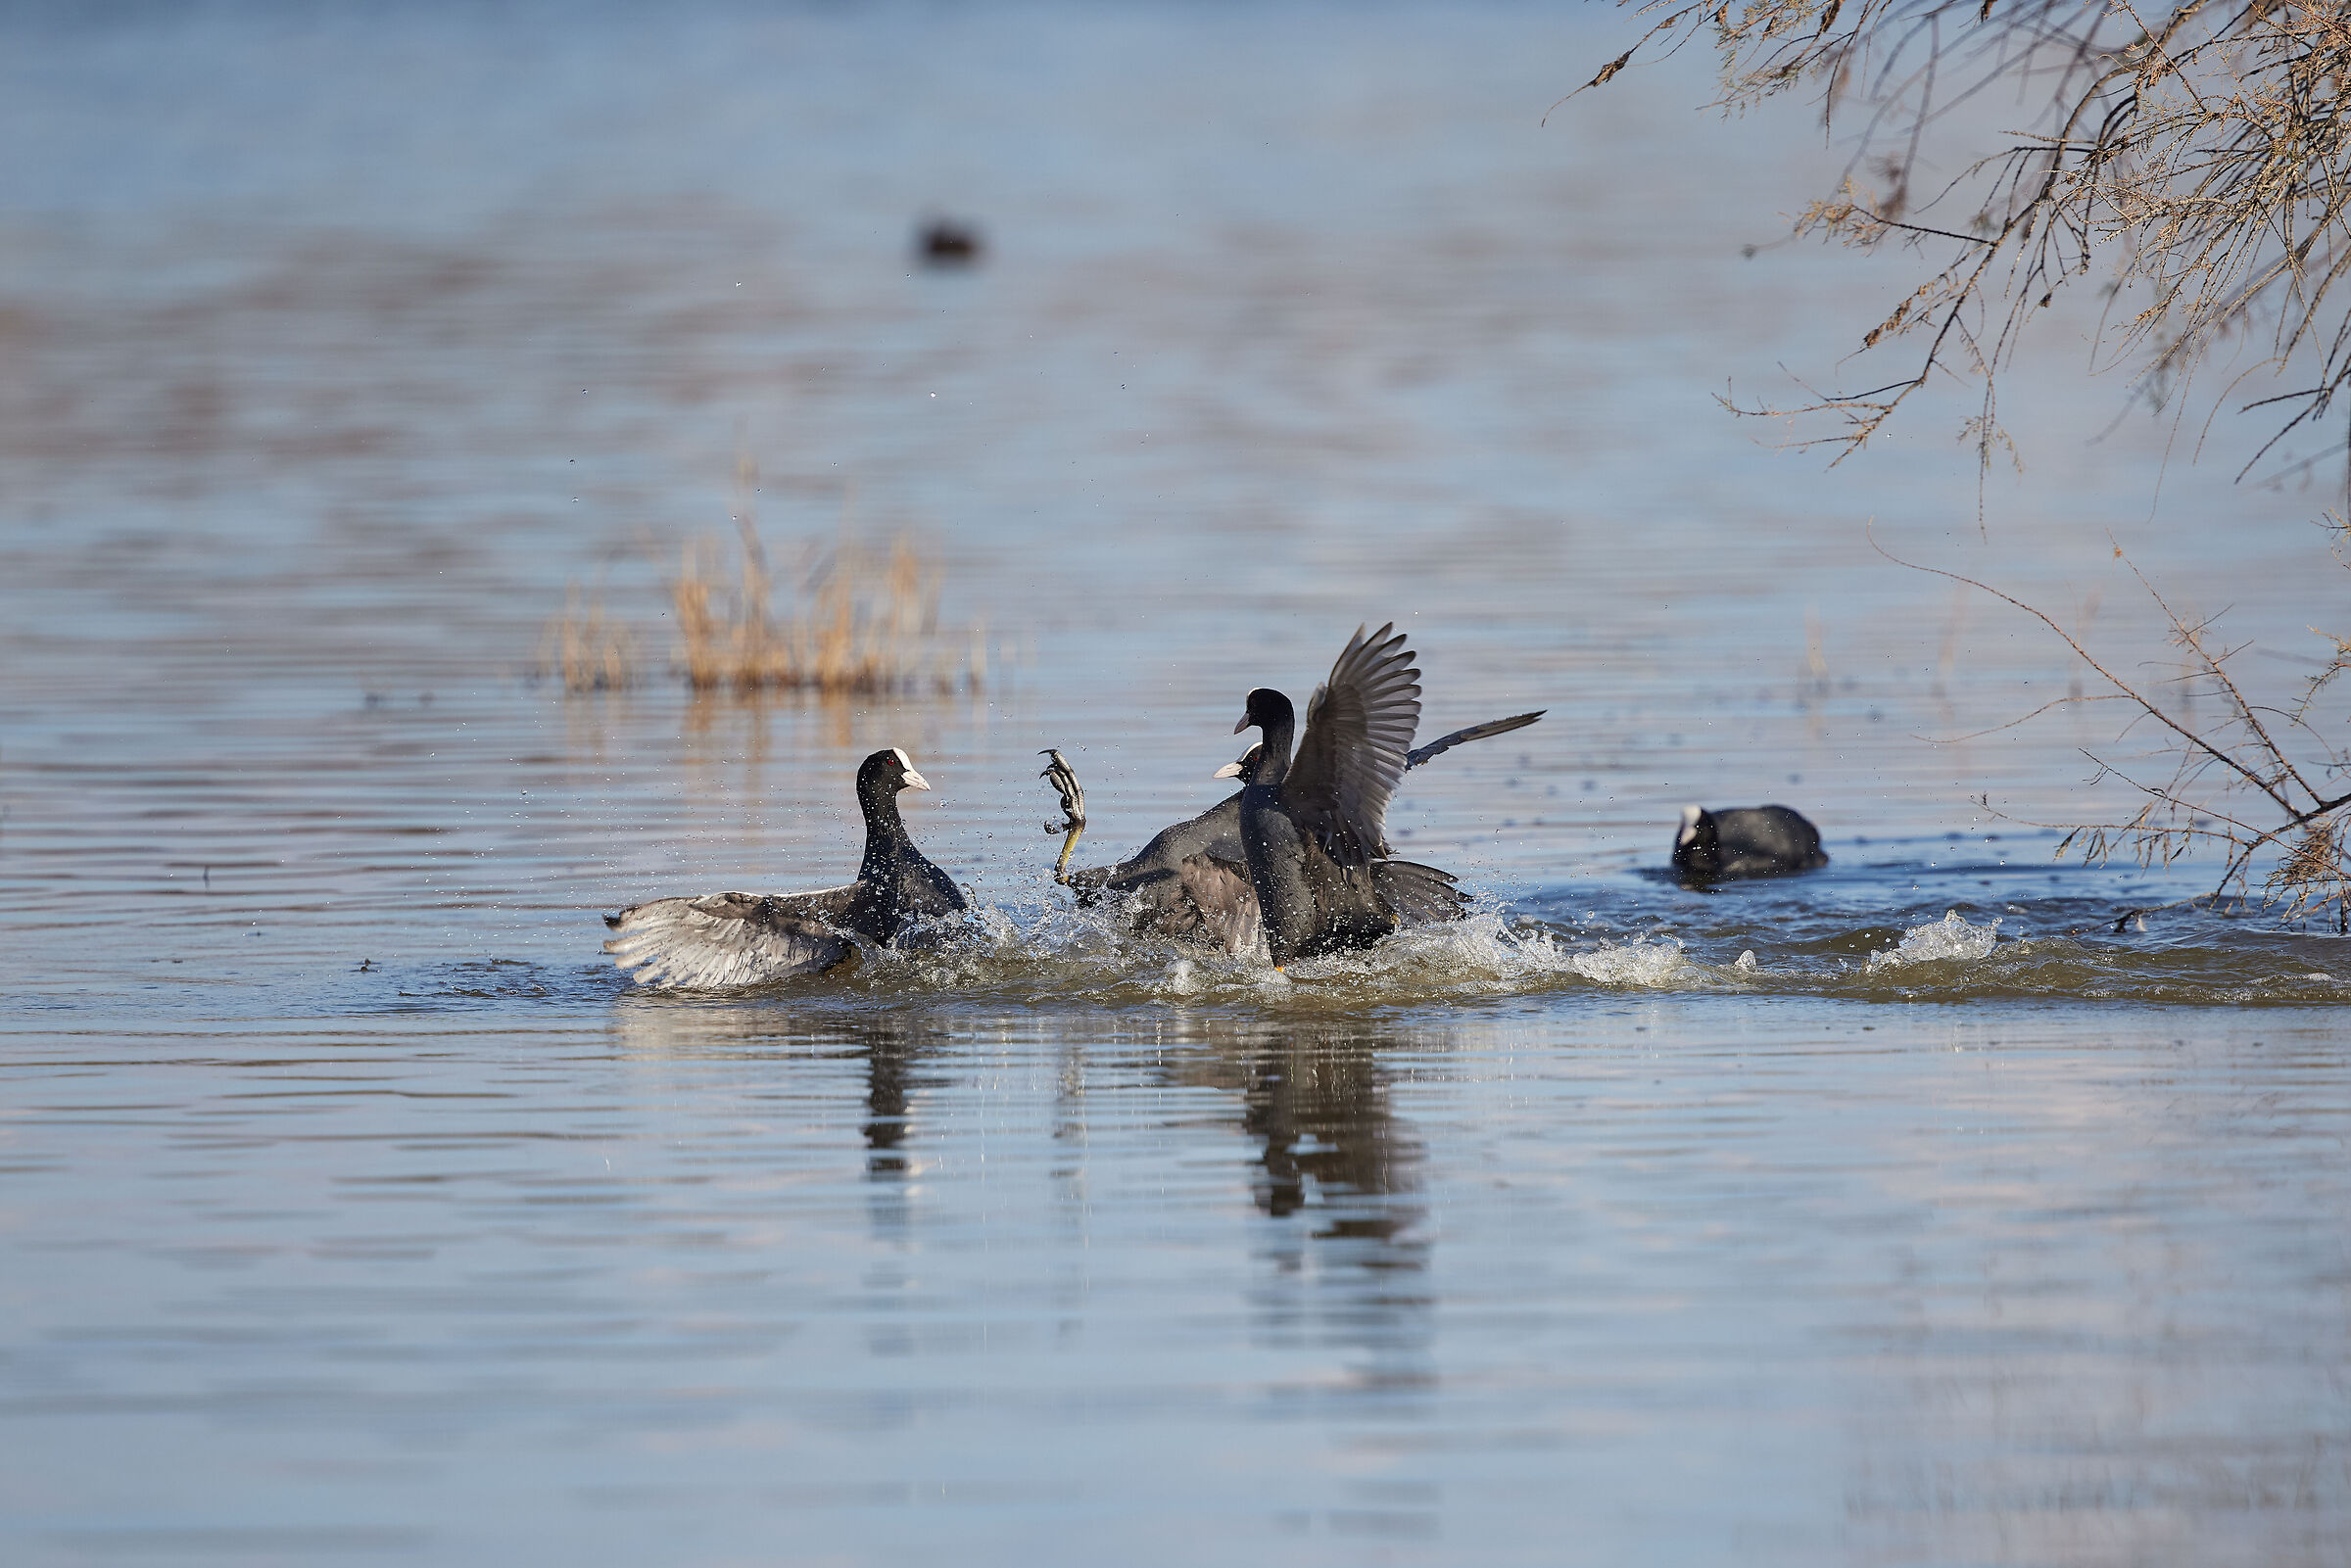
x=1358 y=729
x=723 y=939
x=1476 y=732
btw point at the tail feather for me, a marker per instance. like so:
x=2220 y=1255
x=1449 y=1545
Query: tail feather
x=1421 y=896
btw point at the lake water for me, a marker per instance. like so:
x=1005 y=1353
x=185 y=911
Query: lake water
x=352 y=1206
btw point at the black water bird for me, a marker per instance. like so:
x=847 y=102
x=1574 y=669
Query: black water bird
x=1191 y=881
x=748 y=939
x=1312 y=824
x=1745 y=842
x=946 y=242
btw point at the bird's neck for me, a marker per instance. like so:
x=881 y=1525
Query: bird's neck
x=884 y=830
x=1273 y=765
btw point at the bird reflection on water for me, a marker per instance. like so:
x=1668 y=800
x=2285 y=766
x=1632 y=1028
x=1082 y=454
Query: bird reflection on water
x=1339 y=1175
x=891 y=1046
x=1329 y=1161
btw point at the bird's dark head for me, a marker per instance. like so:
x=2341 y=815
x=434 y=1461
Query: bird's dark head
x=1246 y=768
x=1268 y=709
x=1698 y=845
x=885 y=773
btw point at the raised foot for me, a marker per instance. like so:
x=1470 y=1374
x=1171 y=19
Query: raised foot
x=1064 y=778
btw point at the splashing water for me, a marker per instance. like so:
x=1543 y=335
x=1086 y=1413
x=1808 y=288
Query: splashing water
x=1038 y=951
x=1949 y=937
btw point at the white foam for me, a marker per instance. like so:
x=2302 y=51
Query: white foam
x=1484 y=948
x=1090 y=951
x=1636 y=963
x=1946 y=939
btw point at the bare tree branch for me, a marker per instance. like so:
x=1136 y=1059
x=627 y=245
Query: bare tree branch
x=2213 y=769
x=2193 y=153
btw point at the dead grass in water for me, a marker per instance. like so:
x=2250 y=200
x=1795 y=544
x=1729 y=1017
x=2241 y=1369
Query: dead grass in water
x=860 y=620
x=863 y=622
x=585 y=648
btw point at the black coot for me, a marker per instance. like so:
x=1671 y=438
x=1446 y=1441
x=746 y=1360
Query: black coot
x=1191 y=881
x=1312 y=824
x=947 y=242
x=747 y=939
x=1745 y=842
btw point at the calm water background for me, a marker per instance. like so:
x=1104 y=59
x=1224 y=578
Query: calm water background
x=351 y=1206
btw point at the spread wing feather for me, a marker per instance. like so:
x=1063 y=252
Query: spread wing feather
x=1359 y=731
x=726 y=939
x=836 y=904
x=1476 y=732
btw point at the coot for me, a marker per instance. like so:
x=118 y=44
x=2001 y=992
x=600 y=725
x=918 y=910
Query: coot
x=1311 y=824
x=1745 y=842
x=1191 y=881
x=748 y=939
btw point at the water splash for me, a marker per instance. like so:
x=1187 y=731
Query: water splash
x=1949 y=937
x=1041 y=952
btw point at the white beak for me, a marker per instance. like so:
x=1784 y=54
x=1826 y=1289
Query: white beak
x=914 y=781
x=1690 y=816
x=1230 y=770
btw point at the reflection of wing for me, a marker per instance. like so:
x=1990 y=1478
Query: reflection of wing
x=1476 y=732
x=728 y=938
x=1358 y=728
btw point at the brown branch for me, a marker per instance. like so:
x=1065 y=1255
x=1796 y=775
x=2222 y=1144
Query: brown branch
x=2194 y=740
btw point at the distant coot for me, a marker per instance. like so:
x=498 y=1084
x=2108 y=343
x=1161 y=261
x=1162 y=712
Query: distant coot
x=748 y=939
x=947 y=242
x=1745 y=841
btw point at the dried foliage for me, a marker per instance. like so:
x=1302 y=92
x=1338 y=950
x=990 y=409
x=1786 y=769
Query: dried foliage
x=2193 y=153
x=863 y=622
x=584 y=649
x=2263 y=780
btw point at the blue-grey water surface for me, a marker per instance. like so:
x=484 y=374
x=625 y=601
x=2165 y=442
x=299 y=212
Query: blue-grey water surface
x=351 y=1207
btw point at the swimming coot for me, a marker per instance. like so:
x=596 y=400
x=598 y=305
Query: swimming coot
x=1746 y=842
x=747 y=939
x=947 y=242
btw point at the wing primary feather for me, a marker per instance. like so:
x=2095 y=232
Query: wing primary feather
x=722 y=939
x=1359 y=730
x=1476 y=732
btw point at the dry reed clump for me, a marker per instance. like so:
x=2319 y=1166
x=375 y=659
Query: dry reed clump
x=584 y=649
x=864 y=622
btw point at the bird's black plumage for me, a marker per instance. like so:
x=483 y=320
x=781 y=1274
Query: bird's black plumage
x=746 y=938
x=1312 y=824
x=1745 y=841
x=1191 y=881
